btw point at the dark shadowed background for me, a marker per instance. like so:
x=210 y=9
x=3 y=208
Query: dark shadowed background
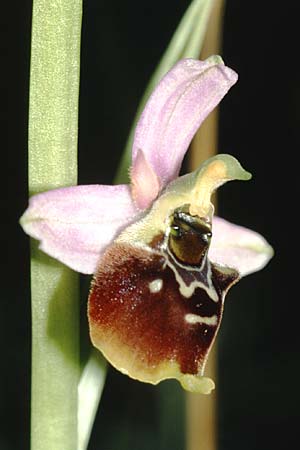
x=259 y=365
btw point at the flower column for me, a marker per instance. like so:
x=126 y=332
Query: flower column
x=53 y=123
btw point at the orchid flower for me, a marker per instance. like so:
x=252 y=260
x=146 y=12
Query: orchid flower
x=162 y=262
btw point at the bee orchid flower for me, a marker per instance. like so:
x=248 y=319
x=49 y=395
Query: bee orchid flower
x=161 y=262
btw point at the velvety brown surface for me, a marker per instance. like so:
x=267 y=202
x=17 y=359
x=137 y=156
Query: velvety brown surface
x=153 y=325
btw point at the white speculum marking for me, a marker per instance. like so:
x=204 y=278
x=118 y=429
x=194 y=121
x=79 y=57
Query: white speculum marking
x=193 y=319
x=155 y=285
x=188 y=291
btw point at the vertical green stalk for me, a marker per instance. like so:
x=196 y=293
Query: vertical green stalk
x=53 y=125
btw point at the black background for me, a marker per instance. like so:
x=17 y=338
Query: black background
x=259 y=124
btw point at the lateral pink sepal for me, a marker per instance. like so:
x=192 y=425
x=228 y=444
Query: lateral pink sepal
x=75 y=224
x=238 y=247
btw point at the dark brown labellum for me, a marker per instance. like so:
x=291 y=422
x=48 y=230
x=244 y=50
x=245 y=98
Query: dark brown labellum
x=154 y=310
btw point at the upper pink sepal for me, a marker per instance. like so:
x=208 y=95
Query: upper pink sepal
x=176 y=109
x=75 y=224
x=144 y=182
x=238 y=247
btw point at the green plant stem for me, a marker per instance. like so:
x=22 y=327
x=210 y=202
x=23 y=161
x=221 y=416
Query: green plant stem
x=53 y=125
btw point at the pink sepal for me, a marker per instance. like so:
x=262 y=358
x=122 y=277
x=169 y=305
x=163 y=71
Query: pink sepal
x=75 y=224
x=238 y=247
x=176 y=109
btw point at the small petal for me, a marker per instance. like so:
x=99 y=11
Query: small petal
x=238 y=247
x=75 y=224
x=144 y=182
x=176 y=109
